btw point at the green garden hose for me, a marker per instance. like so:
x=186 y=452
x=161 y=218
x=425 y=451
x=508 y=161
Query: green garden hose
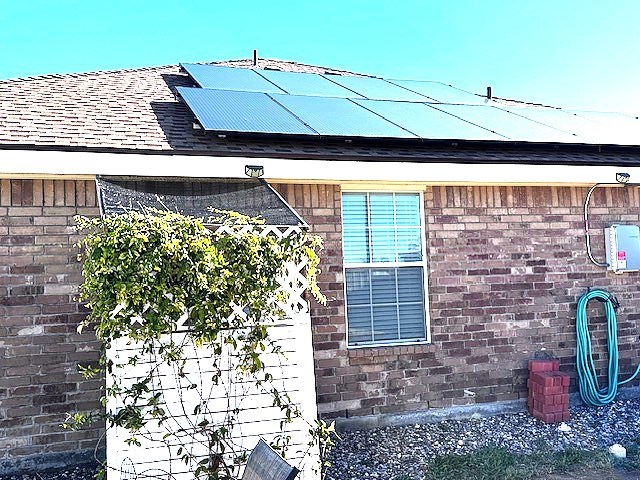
x=590 y=390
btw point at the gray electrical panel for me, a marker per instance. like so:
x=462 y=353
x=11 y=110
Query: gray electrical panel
x=622 y=244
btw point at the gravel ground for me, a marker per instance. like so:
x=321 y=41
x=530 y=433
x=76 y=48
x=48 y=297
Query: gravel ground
x=82 y=472
x=386 y=453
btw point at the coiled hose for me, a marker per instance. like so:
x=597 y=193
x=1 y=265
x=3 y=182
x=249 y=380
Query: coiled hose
x=590 y=390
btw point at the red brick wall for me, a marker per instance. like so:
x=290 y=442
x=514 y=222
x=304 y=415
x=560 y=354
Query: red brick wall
x=506 y=267
x=39 y=346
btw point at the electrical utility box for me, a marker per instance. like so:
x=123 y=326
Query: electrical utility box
x=622 y=243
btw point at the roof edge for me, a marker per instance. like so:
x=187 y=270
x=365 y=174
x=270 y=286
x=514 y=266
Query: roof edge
x=458 y=170
x=459 y=146
x=53 y=76
x=230 y=62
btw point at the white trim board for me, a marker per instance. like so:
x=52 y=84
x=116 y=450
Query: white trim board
x=85 y=165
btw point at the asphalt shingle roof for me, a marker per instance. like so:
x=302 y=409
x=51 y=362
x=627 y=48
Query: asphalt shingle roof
x=136 y=110
x=127 y=109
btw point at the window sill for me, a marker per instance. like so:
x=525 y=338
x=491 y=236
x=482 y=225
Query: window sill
x=390 y=349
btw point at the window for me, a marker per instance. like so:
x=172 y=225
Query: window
x=384 y=260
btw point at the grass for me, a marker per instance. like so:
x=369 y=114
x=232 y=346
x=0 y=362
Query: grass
x=498 y=463
x=632 y=462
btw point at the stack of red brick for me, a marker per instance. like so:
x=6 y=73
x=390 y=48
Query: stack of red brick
x=548 y=391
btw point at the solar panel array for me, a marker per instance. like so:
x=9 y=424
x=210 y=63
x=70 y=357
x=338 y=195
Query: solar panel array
x=241 y=100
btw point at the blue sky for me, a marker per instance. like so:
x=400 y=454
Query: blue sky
x=564 y=52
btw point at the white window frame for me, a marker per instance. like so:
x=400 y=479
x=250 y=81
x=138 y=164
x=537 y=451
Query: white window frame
x=422 y=263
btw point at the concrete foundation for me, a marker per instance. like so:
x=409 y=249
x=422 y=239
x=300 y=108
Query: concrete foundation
x=478 y=410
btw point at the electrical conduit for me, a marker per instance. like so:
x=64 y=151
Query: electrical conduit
x=590 y=390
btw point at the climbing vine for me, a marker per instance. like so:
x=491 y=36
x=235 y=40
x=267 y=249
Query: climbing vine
x=170 y=285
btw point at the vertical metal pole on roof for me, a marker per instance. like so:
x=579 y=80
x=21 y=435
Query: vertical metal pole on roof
x=255 y=57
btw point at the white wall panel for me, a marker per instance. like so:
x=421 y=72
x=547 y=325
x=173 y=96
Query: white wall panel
x=257 y=417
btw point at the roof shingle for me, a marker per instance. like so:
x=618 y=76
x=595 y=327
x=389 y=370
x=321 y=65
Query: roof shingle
x=131 y=109
x=136 y=110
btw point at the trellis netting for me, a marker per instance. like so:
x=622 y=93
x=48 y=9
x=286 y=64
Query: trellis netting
x=190 y=397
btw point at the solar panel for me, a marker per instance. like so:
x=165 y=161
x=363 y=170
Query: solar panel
x=376 y=88
x=229 y=111
x=427 y=122
x=276 y=102
x=440 y=92
x=228 y=78
x=297 y=83
x=568 y=122
x=340 y=117
x=612 y=128
x=504 y=123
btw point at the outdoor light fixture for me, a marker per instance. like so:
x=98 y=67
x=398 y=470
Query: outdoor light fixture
x=254 y=171
x=622 y=178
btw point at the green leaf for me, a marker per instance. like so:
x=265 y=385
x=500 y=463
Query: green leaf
x=159 y=268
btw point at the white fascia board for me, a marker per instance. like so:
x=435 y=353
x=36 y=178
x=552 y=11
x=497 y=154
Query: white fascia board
x=47 y=164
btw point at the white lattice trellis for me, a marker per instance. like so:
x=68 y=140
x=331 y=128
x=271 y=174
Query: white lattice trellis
x=256 y=417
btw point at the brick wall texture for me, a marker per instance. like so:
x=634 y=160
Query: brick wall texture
x=506 y=268
x=39 y=346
